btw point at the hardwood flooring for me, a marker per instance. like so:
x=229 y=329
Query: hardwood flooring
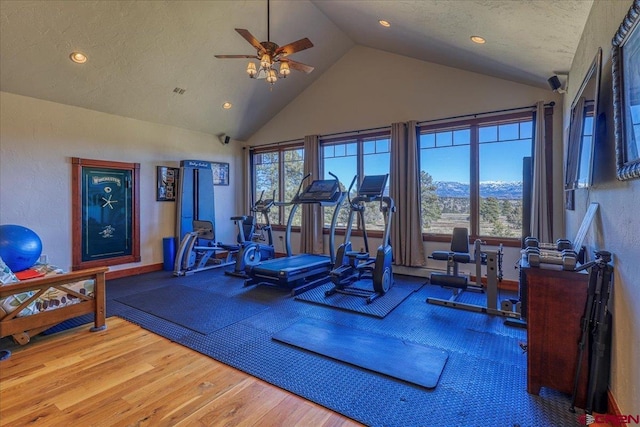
x=127 y=376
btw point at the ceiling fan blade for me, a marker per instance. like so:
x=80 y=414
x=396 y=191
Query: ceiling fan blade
x=299 y=66
x=236 y=56
x=294 y=47
x=249 y=37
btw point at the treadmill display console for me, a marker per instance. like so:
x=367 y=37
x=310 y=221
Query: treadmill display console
x=327 y=190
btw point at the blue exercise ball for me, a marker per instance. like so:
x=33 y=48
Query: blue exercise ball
x=20 y=247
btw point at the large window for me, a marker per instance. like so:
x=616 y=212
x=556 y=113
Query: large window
x=471 y=175
x=278 y=170
x=348 y=157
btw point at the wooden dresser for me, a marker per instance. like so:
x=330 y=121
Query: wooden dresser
x=556 y=300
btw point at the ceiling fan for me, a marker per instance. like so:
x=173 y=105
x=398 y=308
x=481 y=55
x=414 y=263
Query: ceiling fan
x=269 y=54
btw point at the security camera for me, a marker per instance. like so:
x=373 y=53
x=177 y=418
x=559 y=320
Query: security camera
x=556 y=86
x=224 y=139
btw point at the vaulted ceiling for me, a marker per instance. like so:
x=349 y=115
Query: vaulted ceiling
x=141 y=51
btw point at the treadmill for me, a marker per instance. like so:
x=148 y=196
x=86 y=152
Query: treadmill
x=302 y=272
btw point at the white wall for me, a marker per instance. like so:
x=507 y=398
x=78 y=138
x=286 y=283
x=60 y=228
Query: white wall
x=370 y=88
x=39 y=138
x=617 y=225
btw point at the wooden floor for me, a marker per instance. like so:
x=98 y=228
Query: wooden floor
x=127 y=376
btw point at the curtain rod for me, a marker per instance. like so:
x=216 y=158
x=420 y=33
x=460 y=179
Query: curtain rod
x=506 y=110
x=275 y=144
x=355 y=132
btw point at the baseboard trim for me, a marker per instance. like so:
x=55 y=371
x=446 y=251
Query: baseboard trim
x=133 y=271
x=613 y=407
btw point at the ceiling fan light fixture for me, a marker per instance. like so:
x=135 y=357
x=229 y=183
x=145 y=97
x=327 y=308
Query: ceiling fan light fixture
x=269 y=54
x=272 y=77
x=265 y=61
x=284 y=69
x=251 y=70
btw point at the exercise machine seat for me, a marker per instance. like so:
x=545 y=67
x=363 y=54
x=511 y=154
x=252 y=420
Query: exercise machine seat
x=459 y=248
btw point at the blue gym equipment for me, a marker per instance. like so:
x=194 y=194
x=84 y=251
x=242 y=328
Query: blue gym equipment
x=195 y=222
x=20 y=247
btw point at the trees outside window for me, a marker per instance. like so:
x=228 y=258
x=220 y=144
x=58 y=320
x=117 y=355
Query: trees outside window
x=471 y=175
x=363 y=155
x=279 y=170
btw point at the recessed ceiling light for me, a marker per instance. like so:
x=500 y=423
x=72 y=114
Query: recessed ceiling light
x=384 y=23
x=78 y=57
x=478 y=39
x=226 y=105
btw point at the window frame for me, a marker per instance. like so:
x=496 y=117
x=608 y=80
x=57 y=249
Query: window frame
x=359 y=139
x=474 y=124
x=281 y=225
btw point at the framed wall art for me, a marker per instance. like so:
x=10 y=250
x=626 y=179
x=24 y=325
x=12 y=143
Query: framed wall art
x=220 y=173
x=625 y=60
x=167 y=181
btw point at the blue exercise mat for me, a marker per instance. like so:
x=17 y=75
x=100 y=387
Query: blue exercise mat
x=379 y=307
x=484 y=381
x=200 y=311
x=397 y=358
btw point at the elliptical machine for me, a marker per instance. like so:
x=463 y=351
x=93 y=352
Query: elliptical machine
x=252 y=251
x=353 y=266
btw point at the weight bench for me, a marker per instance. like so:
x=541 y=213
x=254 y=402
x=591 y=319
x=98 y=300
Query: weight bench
x=458 y=254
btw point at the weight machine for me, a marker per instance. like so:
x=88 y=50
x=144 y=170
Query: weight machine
x=195 y=222
x=459 y=283
x=357 y=265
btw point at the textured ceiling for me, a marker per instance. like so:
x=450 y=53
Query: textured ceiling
x=140 y=51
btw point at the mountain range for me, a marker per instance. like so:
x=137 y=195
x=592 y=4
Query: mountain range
x=497 y=189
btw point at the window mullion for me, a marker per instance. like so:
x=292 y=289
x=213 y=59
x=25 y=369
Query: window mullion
x=360 y=173
x=474 y=187
x=281 y=189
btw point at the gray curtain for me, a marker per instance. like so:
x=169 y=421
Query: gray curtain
x=540 y=213
x=573 y=146
x=311 y=241
x=406 y=225
x=247 y=184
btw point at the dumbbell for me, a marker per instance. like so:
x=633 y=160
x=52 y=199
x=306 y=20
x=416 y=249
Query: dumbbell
x=560 y=245
x=567 y=258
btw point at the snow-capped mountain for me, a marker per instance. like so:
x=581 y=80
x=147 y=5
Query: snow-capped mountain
x=497 y=189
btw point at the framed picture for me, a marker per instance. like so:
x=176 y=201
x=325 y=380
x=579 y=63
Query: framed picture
x=220 y=173
x=625 y=60
x=167 y=181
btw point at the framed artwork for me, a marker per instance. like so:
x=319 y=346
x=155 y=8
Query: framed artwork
x=220 y=173
x=167 y=181
x=625 y=60
x=105 y=213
